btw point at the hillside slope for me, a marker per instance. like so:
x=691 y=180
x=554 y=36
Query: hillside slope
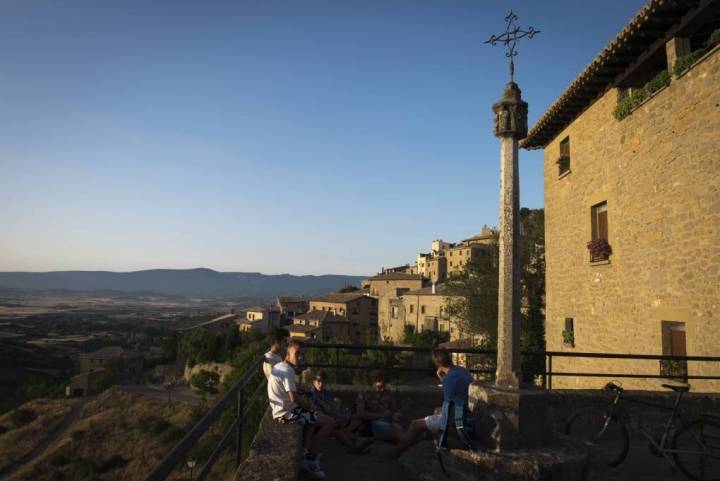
x=118 y=436
x=179 y=282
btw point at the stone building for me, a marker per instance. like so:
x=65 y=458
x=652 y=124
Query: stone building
x=262 y=318
x=357 y=307
x=325 y=325
x=632 y=204
x=424 y=310
x=289 y=307
x=387 y=287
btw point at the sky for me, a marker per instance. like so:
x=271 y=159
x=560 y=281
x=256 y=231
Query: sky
x=298 y=136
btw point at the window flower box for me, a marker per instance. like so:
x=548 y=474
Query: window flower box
x=599 y=249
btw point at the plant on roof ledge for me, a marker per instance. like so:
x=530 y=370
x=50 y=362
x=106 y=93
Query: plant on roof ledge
x=627 y=104
x=686 y=61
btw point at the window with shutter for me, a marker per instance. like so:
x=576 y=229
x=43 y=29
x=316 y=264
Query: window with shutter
x=563 y=161
x=599 y=220
x=674 y=343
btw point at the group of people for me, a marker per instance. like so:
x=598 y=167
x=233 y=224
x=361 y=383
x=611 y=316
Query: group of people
x=377 y=418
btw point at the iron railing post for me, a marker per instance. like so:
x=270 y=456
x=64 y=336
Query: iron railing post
x=337 y=363
x=549 y=372
x=240 y=409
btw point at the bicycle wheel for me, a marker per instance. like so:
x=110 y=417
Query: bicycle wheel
x=696 y=450
x=608 y=444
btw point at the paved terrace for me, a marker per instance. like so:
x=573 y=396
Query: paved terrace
x=270 y=460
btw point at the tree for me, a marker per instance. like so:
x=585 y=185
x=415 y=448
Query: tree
x=349 y=288
x=206 y=382
x=473 y=294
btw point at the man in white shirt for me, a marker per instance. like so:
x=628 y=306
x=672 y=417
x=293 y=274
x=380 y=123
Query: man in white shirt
x=277 y=350
x=290 y=408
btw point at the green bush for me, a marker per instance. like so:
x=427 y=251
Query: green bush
x=21 y=417
x=77 y=435
x=685 y=62
x=58 y=460
x=150 y=424
x=172 y=435
x=627 y=104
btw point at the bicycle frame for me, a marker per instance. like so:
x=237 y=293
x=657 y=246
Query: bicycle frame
x=662 y=445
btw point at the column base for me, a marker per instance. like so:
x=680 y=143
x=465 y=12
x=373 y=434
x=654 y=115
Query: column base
x=509 y=419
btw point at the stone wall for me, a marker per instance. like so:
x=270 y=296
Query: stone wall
x=275 y=453
x=659 y=172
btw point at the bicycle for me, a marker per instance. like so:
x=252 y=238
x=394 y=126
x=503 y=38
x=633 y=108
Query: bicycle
x=695 y=446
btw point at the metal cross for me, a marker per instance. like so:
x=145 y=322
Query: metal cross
x=512 y=34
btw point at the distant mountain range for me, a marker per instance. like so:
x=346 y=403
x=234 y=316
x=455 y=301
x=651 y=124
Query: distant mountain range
x=179 y=282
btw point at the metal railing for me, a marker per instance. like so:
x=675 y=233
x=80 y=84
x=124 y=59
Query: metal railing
x=547 y=374
x=181 y=451
x=243 y=403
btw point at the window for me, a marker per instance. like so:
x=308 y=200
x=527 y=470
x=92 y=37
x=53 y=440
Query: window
x=412 y=308
x=422 y=309
x=563 y=161
x=599 y=221
x=568 y=333
x=394 y=312
x=674 y=344
x=599 y=246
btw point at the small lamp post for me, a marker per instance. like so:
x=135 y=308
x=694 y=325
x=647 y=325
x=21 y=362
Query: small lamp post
x=191 y=465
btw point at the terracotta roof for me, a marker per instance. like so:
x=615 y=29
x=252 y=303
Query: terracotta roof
x=427 y=291
x=301 y=328
x=397 y=276
x=648 y=26
x=339 y=297
x=318 y=315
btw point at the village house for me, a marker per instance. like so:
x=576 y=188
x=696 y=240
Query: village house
x=261 y=318
x=324 y=326
x=357 y=307
x=632 y=205
x=289 y=307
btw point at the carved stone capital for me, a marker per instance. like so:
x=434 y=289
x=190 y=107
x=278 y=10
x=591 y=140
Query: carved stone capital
x=511 y=114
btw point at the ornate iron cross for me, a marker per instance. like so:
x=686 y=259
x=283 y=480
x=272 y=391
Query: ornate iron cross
x=512 y=34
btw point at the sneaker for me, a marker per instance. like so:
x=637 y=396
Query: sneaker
x=312 y=467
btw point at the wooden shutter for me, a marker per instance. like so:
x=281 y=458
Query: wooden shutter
x=677 y=343
x=602 y=225
x=565 y=147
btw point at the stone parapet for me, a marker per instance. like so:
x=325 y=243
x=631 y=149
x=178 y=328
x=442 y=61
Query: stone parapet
x=275 y=453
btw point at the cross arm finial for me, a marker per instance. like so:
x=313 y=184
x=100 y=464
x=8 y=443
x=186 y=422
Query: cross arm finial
x=509 y=39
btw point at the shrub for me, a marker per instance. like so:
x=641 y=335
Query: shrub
x=77 y=435
x=3 y=429
x=21 y=417
x=685 y=62
x=114 y=461
x=153 y=425
x=568 y=338
x=172 y=435
x=627 y=104
x=58 y=460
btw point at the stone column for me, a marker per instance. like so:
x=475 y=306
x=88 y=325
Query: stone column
x=674 y=48
x=510 y=126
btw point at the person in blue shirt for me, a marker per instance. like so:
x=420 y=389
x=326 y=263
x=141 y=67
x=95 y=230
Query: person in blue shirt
x=455 y=384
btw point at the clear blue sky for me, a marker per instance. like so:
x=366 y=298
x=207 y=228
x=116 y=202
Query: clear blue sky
x=295 y=136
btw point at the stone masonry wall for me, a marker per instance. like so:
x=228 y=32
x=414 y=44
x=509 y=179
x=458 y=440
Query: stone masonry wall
x=659 y=171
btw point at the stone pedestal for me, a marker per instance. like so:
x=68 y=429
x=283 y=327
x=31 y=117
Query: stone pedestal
x=510 y=419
